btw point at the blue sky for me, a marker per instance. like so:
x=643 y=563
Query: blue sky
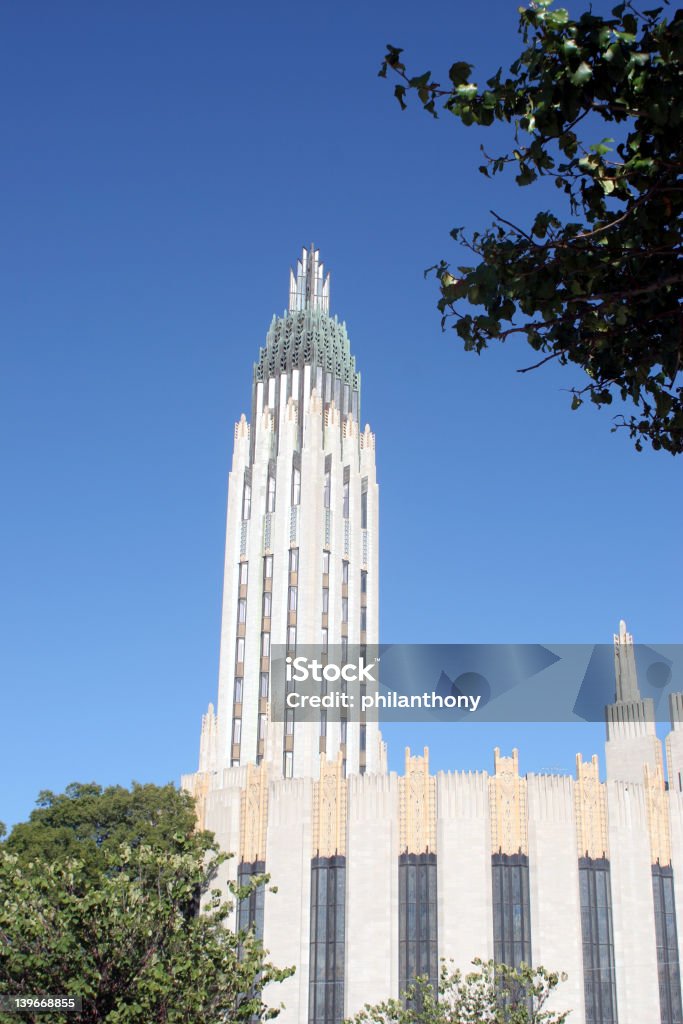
x=163 y=164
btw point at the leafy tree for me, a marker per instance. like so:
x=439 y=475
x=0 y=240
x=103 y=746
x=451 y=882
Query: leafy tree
x=87 y=822
x=483 y=996
x=601 y=288
x=124 y=942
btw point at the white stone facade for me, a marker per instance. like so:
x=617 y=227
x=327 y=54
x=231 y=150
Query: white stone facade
x=463 y=828
x=303 y=478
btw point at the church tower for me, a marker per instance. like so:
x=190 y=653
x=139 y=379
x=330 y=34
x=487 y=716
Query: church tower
x=301 y=548
x=377 y=876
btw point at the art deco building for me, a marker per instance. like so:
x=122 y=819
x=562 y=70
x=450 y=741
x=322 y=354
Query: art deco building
x=378 y=875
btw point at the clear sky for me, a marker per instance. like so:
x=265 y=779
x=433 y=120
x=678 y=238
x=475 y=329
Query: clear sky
x=162 y=166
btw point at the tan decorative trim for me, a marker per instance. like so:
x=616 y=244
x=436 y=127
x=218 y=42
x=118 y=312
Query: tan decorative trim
x=315 y=404
x=292 y=410
x=329 y=809
x=331 y=415
x=254 y=814
x=508 y=804
x=658 y=815
x=418 y=806
x=350 y=427
x=590 y=803
x=198 y=788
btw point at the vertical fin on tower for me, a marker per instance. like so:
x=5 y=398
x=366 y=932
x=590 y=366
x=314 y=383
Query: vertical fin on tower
x=309 y=288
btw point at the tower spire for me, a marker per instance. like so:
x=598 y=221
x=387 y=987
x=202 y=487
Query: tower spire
x=625 y=665
x=309 y=288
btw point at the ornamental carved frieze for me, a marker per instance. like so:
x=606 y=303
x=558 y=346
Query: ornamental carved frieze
x=254 y=814
x=198 y=788
x=329 y=809
x=418 y=806
x=590 y=804
x=508 y=806
x=656 y=799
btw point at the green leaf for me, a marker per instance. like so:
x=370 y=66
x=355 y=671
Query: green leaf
x=459 y=72
x=582 y=74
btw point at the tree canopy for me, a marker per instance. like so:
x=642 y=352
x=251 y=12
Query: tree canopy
x=490 y=994
x=124 y=942
x=602 y=287
x=88 y=822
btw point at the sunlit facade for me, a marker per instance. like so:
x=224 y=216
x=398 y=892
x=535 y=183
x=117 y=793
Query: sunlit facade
x=380 y=875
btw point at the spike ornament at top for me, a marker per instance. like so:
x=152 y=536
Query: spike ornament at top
x=310 y=287
x=625 y=665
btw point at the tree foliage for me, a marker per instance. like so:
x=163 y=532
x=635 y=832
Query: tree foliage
x=602 y=288
x=124 y=941
x=491 y=994
x=88 y=822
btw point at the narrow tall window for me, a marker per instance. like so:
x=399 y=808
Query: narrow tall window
x=511 y=917
x=326 y=972
x=345 y=499
x=263 y=685
x=345 y=572
x=324 y=634
x=364 y=503
x=267 y=604
x=599 y=979
x=236 y=730
x=292 y=599
x=363 y=581
x=417 y=921
x=327 y=488
x=345 y=609
x=291 y=638
x=239 y=682
x=270 y=495
x=296 y=485
x=293 y=559
x=288 y=764
x=250 y=910
x=667 y=945
x=244 y=573
x=239 y=650
x=265 y=645
x=246 y=498
x=363 y=620
x=268 y=567
x=242 y=609
x=326 y=563
x=326 y=600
